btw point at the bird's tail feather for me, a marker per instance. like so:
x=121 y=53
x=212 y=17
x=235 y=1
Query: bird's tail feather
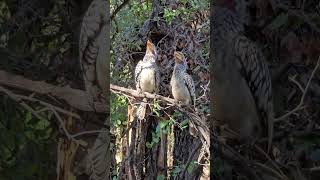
x=270 y=133
x=141 y=112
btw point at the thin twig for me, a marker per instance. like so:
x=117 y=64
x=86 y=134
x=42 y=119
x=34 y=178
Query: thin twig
x=304 y=92
x=314 y=169
x=235 y=158
x=47 y=105
x=270 y=170
x=19 y=100
x=293 y=79
x=70 y=137
x=269 y=159
x=88 y=132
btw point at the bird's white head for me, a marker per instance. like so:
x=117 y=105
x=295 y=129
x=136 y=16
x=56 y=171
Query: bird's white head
x=151 y=49
x=180 y=60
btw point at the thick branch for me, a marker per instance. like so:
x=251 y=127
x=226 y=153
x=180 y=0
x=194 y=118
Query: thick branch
x=136 y=94
x=74 y=97
x=199 y=123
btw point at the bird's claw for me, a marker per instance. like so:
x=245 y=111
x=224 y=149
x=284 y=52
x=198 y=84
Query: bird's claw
x=179 y=103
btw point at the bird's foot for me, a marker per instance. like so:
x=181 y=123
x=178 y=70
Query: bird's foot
x=179 y=103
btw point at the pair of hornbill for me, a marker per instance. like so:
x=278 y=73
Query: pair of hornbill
x=241 y=85
x=242 y=92
x=147 y=78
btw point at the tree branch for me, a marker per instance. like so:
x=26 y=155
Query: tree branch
x=199 y=123
x=74 y=97
x=136 y=94
x=113 y=15
x=304 y=92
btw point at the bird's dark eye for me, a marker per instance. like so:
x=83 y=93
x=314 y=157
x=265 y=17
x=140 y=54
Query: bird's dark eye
x=153 y=52
x=180 y=61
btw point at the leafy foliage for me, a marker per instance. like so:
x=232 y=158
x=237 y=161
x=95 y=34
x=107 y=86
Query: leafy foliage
x=26 y=144
x=135 y=23
x=118 y=110
x=36 y=41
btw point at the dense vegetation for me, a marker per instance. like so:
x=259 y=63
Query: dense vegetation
x=171 y=25
x=39 y=44
x=39 y=49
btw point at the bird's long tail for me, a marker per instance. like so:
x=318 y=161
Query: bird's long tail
x=270 y=133
x=141 y=112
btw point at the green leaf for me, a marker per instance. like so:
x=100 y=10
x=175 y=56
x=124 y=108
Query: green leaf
x=279 y=21
x=149 y=145
x=30 y=135
x=156 y=140
x=176 y=170
x=161 y=177
x=191 y=167
x=183 y=127
x=184 y=122
x=163 y=124
x=28 y=117
x=157 y=113
x=42 y=124
x=177 y=114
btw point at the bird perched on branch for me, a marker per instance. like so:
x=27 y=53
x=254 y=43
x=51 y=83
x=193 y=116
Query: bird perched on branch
x=241 y=85
x=93 y=49
x=147 y=76
x=182 y=85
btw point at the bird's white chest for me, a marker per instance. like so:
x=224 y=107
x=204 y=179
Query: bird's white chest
x=180 y=91
x=148 y=80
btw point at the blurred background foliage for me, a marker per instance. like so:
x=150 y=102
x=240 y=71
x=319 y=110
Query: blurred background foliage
x=27 y=144
x=38 y=40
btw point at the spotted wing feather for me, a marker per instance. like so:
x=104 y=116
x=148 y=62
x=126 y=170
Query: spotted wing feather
x=256 y=73
x=190 y=85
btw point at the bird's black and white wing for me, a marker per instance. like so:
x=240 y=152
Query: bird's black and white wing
x=137 y=75
x=158 y=78
x=190 y=85
x=254 y=70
